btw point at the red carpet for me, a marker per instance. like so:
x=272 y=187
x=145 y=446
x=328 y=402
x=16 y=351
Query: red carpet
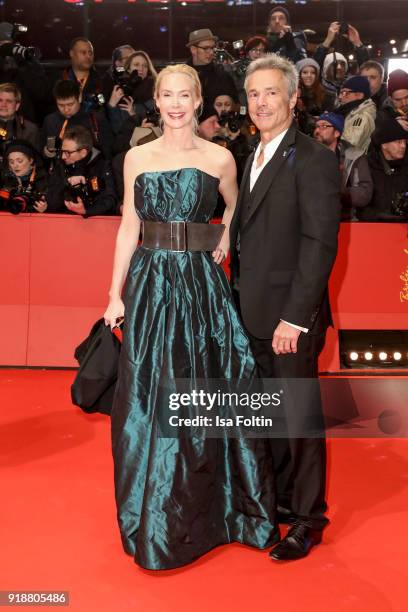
x=58 y=524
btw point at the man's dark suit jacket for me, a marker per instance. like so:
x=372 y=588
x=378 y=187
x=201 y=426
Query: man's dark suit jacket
x=287 y=228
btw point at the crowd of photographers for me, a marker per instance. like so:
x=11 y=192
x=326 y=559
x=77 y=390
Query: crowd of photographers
x=63 y=138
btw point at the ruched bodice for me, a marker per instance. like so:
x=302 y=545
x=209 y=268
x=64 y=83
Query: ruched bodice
x=187 y=194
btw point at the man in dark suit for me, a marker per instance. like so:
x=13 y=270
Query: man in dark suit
x=283 y=246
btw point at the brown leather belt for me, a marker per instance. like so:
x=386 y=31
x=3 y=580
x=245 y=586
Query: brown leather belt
x=181 y=236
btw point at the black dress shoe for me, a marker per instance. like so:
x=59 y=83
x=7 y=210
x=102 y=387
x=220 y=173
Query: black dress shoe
x=285 y=516
x=297 y=543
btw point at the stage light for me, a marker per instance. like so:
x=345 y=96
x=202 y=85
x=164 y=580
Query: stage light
x=392 y=41
x=382 y=355
x=394 y=50
x=353 y=356
x=369 y=46
x=397 y=356
x=351 y=56
x=368 y=355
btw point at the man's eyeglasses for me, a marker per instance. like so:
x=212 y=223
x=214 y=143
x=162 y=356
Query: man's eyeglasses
x=323 y=126
x=69 y=153
x=206 y=48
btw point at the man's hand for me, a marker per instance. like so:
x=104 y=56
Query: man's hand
x=403 y=121
x=332 y=32
x=40 y=205
x=285 y=29
x=285 y=339
x=76 y=180
x=76 y=207
x=353 y=36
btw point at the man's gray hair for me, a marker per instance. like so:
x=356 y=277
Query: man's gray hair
x=271 y=61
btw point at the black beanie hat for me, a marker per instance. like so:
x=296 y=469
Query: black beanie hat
x=388 y=131
x=207 y=112
x=22 y=146
x=281 y=9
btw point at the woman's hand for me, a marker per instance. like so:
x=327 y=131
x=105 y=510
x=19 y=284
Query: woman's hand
x=116 y=96
x=40 y=205
x=127 y=105
x=219 y=255
x=114 y=312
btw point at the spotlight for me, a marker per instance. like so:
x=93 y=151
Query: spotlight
x=397 y=356
x=369 y=46
x=392 y=41
x=383 y=355
x=351 y=56
x=353 y=356
x=368 y=355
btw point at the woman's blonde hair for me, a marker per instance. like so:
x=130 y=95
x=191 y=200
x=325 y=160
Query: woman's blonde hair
x=151 y=71
x=187 y=71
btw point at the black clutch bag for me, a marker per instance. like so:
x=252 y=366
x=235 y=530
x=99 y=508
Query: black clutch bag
x=98 y=357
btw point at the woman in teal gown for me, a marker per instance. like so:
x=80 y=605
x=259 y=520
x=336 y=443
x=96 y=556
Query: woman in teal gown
x=179 y=497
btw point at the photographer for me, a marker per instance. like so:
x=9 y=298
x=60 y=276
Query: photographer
x=12 y=123
x=254 y=48
x=82 y=71
x=202 y=46
x=229 y=134
x=347 y=31
x=69 y=114
x=23 y=180
x=119 y=57
x=132 y=95
x=281 y=39
x=20 y=65
x=388 y=162
x=81 y=182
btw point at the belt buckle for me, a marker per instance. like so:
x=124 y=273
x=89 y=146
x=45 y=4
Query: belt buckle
x=178 y=239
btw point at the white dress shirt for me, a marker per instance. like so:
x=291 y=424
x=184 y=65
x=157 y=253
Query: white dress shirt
x=269 y=152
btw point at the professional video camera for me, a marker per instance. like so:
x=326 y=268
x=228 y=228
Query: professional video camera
x=86 y=191
x=15 y=50
x=18 y=200
x=400 y=205
x=233 y=120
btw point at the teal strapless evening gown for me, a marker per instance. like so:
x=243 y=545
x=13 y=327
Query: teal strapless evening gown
x=178 y=498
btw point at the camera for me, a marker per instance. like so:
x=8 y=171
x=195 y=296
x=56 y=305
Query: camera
x=17 y=51
x=17 y=201
x=97 y=99
x=152 y=117
x=239 y=67
x=54 y=144
x=86 y=191
x=233 y=120
x=344 y=28
x=221 y=55
x=400 y=205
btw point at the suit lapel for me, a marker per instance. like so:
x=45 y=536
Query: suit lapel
x=270 y=172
